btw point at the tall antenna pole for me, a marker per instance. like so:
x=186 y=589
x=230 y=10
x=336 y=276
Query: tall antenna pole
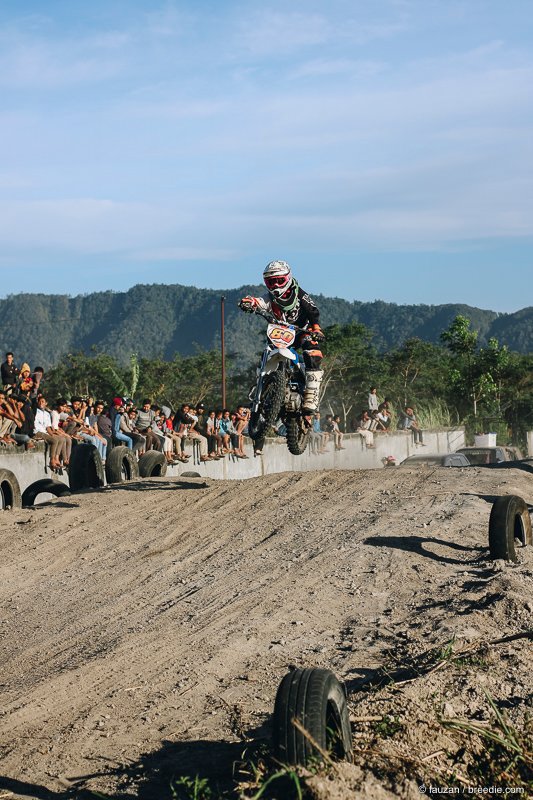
x=223 y=348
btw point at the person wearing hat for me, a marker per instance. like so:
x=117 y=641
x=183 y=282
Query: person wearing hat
x=25 y=381
x=119 y=437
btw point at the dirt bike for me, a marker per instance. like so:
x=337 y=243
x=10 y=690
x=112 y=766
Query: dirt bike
x=278 y=393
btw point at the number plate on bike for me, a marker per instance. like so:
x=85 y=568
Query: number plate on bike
x=280 y=336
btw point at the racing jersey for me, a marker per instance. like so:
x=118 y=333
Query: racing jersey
x=303 y=314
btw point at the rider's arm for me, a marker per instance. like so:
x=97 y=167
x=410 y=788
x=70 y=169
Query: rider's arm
x=254 y=304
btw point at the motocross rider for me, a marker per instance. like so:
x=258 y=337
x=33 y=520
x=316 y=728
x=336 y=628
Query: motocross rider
x=289 y=303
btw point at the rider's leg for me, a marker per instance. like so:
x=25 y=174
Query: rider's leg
x=313 y=376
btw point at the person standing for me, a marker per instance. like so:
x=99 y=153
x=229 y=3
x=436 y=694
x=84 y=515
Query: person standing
x=9 y=373
x=373 y=403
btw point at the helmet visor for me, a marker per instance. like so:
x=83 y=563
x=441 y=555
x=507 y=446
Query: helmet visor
x=277 y=282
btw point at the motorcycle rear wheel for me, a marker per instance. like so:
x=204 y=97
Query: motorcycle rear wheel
x=271 y=401
x=297 y=438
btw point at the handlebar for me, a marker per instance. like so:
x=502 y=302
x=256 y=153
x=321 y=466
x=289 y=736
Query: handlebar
x=272 y=319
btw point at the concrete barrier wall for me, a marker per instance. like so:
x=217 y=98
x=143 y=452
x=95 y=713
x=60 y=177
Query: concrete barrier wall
x=30 y=466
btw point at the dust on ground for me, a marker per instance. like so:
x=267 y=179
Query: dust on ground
x=145 y=628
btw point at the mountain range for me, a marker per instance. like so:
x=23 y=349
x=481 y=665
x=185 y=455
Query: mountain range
x=160 y=320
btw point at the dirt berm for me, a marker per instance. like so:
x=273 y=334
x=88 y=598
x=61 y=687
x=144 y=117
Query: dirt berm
x=145 y=629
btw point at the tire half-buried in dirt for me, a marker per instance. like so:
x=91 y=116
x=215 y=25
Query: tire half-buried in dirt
x=43 y=486
x=509 y=520
x=121 y=465
x=9 y=490
x=297 y=437
x=272 y=398
x=86 y=470
x=152 y=464
x=317 y=701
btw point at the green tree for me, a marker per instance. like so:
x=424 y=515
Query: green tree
x=351 y=365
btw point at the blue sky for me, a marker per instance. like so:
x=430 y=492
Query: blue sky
x=384 y=149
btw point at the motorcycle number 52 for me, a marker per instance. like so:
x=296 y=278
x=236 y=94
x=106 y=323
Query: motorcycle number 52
x=281 y=337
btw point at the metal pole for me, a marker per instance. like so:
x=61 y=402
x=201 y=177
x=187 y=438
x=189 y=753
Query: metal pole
x=222 y=343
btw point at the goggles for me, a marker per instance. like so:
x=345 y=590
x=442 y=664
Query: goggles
x=277 y=282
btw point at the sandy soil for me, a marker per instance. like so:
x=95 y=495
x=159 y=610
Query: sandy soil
x=145 y=628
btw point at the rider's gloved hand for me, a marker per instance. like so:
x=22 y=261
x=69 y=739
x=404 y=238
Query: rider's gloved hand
x=316 y=331
x=248 y=304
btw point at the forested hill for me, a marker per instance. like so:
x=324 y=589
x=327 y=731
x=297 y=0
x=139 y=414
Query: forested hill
x=158 y=320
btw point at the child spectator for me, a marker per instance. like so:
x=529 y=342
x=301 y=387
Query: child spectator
x=25 y=381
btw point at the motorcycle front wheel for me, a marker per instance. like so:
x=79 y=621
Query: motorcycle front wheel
x=271 y=401
x=297 y=436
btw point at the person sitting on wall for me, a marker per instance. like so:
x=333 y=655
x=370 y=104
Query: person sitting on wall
x=7 y=420
x=43 y=431
x=408 y=422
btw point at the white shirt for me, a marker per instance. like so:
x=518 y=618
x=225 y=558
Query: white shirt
x=43 y=420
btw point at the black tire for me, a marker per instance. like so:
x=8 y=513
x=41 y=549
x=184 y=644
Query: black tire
x=152 y=464
x=297 y=439
x=121 y=465
x=509 y=520
x=86 y=470
x=9 y=491
x=272 y=398
x=44 y=486
x=316 y=699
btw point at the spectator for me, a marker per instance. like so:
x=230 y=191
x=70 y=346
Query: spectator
x=167 y=441
x=7 y=419
x=195 y=435
x=363 y=428
x=25 y=381
x=77 y=423
x=59 y=415
x=43 y=431
x=37 y=377
x=9 y=373
x=383 y=418
x=103 y=424
x=119 y=437
x=241 y=421
x=182 y=424
x=409 y=422
x=373 y=399
x=128 y=428
x=226 y=429
x=337 y=433
x=214 y=440
x=144 y=423
x=327 y=431
x=315 y=435
x=22 y=416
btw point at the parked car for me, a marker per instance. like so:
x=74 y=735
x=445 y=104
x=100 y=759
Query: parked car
x=490 y=455
x=437 y=460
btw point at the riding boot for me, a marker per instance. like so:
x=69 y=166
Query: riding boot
x=313 y=379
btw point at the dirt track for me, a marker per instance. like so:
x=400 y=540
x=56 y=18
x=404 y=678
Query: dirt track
x=144 y=629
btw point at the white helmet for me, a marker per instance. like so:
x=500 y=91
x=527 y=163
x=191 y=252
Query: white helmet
x=281 y=285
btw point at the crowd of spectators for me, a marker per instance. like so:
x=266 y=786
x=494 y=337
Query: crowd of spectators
x=27 y=416
x=375 y=419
